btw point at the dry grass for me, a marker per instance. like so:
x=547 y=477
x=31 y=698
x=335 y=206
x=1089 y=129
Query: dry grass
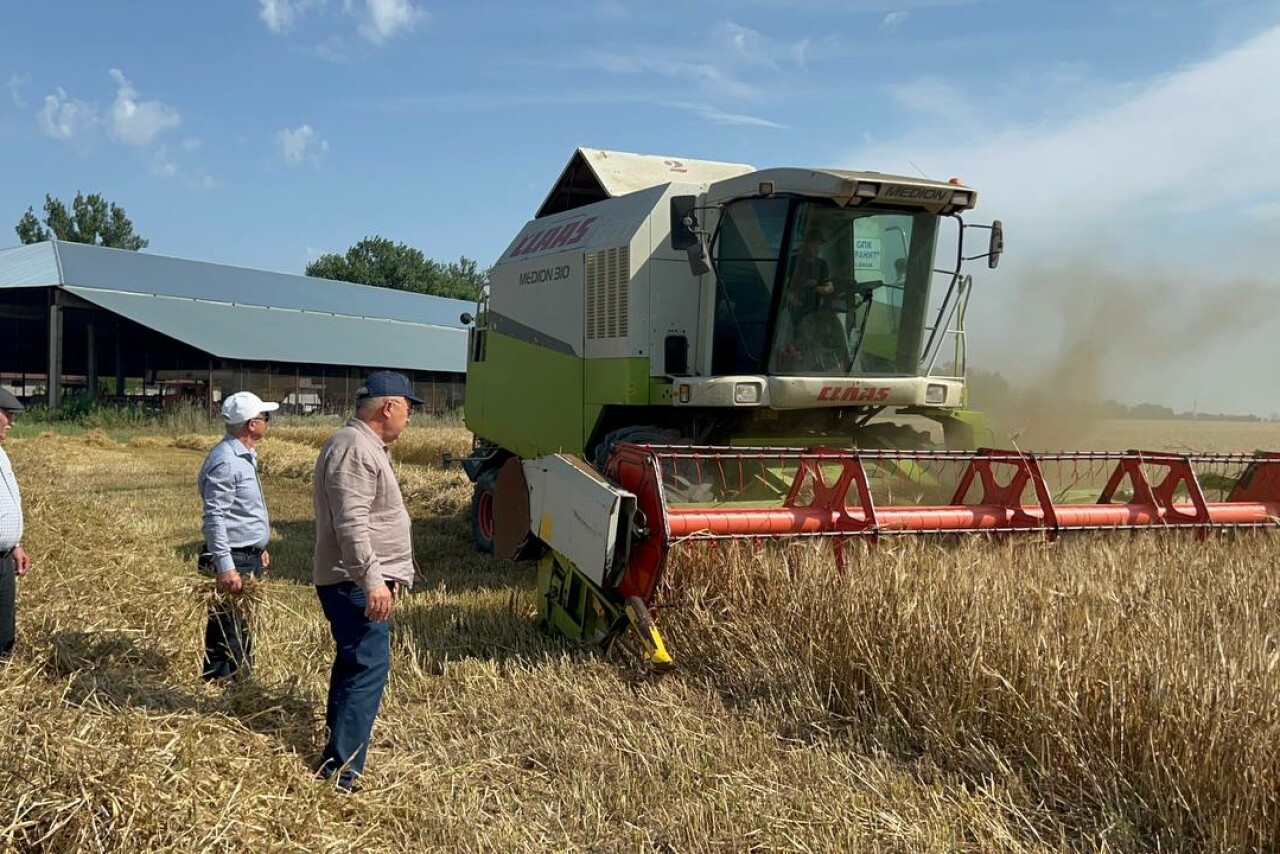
x=1128 y=686
x=1114 y=694
x=1183 y=435
x=425 y=442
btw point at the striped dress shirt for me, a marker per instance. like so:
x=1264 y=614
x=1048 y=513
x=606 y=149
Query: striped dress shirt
x=10 y=506
x=235 y=514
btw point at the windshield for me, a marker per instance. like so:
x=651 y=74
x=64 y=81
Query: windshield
x=809 y=288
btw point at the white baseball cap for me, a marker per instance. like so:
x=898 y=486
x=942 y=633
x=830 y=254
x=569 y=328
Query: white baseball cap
x=243 y=405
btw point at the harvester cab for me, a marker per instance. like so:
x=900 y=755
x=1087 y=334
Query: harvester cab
x=820 y=295
x=675 y=350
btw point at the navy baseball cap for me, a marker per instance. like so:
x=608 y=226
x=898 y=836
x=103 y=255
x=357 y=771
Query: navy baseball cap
x=9 y=402
x=387 y=384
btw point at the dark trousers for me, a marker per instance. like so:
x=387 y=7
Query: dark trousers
x=356 y=681
x=8 y=603
x=228 y=644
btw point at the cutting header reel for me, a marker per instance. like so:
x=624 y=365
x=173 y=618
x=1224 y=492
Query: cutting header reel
x=605 y=550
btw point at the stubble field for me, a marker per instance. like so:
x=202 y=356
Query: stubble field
x=1113 y=694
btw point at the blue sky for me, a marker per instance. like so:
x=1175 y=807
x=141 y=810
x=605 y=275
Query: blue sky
x=1130 y=143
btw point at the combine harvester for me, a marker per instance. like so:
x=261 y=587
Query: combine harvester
x=677 y=350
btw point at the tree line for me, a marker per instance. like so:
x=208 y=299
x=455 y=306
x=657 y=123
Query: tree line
x=374 y=261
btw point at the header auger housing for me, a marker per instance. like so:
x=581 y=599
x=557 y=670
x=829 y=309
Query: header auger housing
x=676 y=351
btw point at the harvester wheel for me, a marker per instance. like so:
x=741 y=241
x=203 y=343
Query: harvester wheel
x=482 y=511
x=637 y=435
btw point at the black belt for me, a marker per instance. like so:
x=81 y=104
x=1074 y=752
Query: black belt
x=249 y=550
x=7 y=553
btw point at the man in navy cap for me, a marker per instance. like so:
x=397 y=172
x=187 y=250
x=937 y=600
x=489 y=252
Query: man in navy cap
x=14 y=561
x=363 y=560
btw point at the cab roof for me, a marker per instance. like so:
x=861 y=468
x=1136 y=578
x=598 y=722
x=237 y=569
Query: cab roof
x=593 y=175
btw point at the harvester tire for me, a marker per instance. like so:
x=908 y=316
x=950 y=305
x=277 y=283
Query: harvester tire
x=482 y=511
x=636 y=435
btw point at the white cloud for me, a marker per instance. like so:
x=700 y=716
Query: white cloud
x=66 y=118
x=161 y=165
x=164 y=166
x=893 y=20
x=378 y=21
x=1198 y=138
x=744 y=43
x=279 y=15
x=721 y=117
x=18 y=82
x=935 y=99
x=712 y=79
x=301 y=145
x=383 y=19
x=135 y=122
x=1166 y=181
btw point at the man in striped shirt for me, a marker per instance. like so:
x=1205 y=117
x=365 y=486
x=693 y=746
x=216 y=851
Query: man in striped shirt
x=14 y=561
x=236 y=529
x=362 y=562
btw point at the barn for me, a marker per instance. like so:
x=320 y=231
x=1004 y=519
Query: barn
x=114 y=325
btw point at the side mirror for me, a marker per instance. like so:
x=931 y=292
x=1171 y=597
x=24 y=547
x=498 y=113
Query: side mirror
x=683 y=222
x=699 y=258
x=996 y=246
x=466 y=318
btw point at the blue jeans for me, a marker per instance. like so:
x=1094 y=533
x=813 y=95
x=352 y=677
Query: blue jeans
x=8 y=603
x=356 y=681
x=228 y=643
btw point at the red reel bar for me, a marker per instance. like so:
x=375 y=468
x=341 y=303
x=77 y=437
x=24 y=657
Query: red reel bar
x=690 y=523
x=997 y=507
x=830 y=495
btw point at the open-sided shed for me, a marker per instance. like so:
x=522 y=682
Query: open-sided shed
x=108 y=322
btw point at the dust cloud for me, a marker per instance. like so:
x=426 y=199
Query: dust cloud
x=1102 y=331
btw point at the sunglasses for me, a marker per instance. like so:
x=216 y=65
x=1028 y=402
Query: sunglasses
x=11 y=414
x=264 y=417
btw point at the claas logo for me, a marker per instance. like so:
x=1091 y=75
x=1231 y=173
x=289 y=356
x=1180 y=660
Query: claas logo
x=555 y=237
x=860 y=394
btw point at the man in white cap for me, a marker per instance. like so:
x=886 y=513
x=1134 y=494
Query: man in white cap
x=14 y=561
x=236 y=529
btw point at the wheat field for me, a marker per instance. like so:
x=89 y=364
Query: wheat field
x=1104 y=694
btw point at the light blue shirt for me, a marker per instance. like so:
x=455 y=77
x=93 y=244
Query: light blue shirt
x=235 y=514
x=10 y=506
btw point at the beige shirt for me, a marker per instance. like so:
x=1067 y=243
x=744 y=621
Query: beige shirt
x=362 y=526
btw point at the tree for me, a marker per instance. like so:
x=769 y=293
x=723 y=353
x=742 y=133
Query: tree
x=92 y=219
x=379 y=262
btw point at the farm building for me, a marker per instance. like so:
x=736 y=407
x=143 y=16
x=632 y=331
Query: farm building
x=117 y=325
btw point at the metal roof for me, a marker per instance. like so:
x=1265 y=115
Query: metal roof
x=592 y=175
x=267 y=334
x=29 y=266
x=239 y=313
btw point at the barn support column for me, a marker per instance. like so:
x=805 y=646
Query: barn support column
x=92 y=368
x=54 y=372
x=119 y=364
